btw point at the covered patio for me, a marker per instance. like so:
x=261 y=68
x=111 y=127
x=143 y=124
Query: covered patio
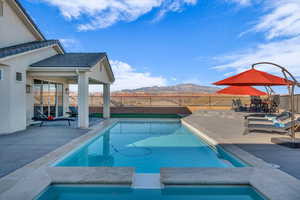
x=70 y=68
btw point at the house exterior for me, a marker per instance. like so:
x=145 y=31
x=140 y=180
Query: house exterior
x=35 y=73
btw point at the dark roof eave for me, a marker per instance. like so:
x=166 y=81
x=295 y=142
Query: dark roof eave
x=30 y=19
x=45 y=66
x=27 y=47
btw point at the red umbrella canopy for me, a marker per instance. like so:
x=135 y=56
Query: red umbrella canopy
x=242 y=90
x=254 y=77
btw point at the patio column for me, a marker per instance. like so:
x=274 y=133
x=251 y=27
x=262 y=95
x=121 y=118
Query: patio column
x=106 y=101
x=83 y=100
x=66 y=102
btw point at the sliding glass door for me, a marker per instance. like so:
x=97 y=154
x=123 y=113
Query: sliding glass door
x=48 y=98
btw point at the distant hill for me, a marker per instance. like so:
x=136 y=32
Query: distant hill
x=180 y=88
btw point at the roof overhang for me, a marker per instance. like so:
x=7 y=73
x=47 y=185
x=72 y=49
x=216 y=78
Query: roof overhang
x=56 y=47
x=26 y=19
x=75 y=62
x=3 y=65
x=69 y=73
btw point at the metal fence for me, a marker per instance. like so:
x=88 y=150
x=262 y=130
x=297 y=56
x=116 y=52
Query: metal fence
x=285 y=102
x=178 y=101
x=165 y=100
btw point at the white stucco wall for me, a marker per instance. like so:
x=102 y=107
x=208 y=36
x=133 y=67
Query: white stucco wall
x=100 y=73
x=16 y=104
x=5 y=91
x=12 y=29
x=29 y=101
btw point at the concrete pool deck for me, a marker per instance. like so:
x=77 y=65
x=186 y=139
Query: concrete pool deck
x=227 y=127
x=28 y=181
x=23 y=147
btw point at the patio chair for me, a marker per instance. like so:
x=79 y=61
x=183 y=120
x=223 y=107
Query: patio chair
x=73 y=112
x=275 y=127
x=43 y=118
x=239 y=106
x=234 y=105
x=275 y=104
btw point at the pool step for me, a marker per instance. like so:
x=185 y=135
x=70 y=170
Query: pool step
x=146 y=181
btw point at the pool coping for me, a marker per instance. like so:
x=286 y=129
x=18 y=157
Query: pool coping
x=28 y=181
x=273 y=184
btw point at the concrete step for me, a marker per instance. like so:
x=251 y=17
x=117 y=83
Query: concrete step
x=146 y=181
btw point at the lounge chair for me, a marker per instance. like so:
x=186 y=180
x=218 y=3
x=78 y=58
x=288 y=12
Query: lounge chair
x=269 y=118
x=275 y=127
x=264 y=115
x=43 y=118
x=73 y=112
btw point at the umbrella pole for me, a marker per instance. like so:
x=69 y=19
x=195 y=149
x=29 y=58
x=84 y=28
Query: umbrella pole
x=291 y=89
x=293 y=133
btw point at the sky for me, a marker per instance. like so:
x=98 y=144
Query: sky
x=167 y=42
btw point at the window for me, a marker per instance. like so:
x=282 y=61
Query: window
x=1 y=74
x=19 y=76
x=1 y=8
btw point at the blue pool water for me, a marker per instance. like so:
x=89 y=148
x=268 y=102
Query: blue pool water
x=148 y=146
x=172 y=193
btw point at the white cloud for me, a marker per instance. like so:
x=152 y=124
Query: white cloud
x=281 y=26
x=104 y=13
x=128 y=78
x=173 y=6
x=282 y=20
x=241 y=2
x=70 y=43
x=285 y=53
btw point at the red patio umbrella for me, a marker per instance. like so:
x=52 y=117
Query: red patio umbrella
x=254 y=77
x=242 y=90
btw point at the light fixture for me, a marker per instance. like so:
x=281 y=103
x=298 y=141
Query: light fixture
x=28 y=89
x=67 y=91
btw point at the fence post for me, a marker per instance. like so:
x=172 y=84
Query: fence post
x=209 y=102
x=297 y=110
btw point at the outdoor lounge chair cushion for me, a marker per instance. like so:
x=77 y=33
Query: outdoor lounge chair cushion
x=270 y=127
x=43 y=118
x=270 y=117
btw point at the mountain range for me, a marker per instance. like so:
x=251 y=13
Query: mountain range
x=180 y=88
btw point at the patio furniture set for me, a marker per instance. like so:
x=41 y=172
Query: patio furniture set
x=257 y=104
x=254 y=77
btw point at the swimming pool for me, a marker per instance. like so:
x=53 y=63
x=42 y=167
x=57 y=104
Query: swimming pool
x=179 y=193
x=148 y=146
